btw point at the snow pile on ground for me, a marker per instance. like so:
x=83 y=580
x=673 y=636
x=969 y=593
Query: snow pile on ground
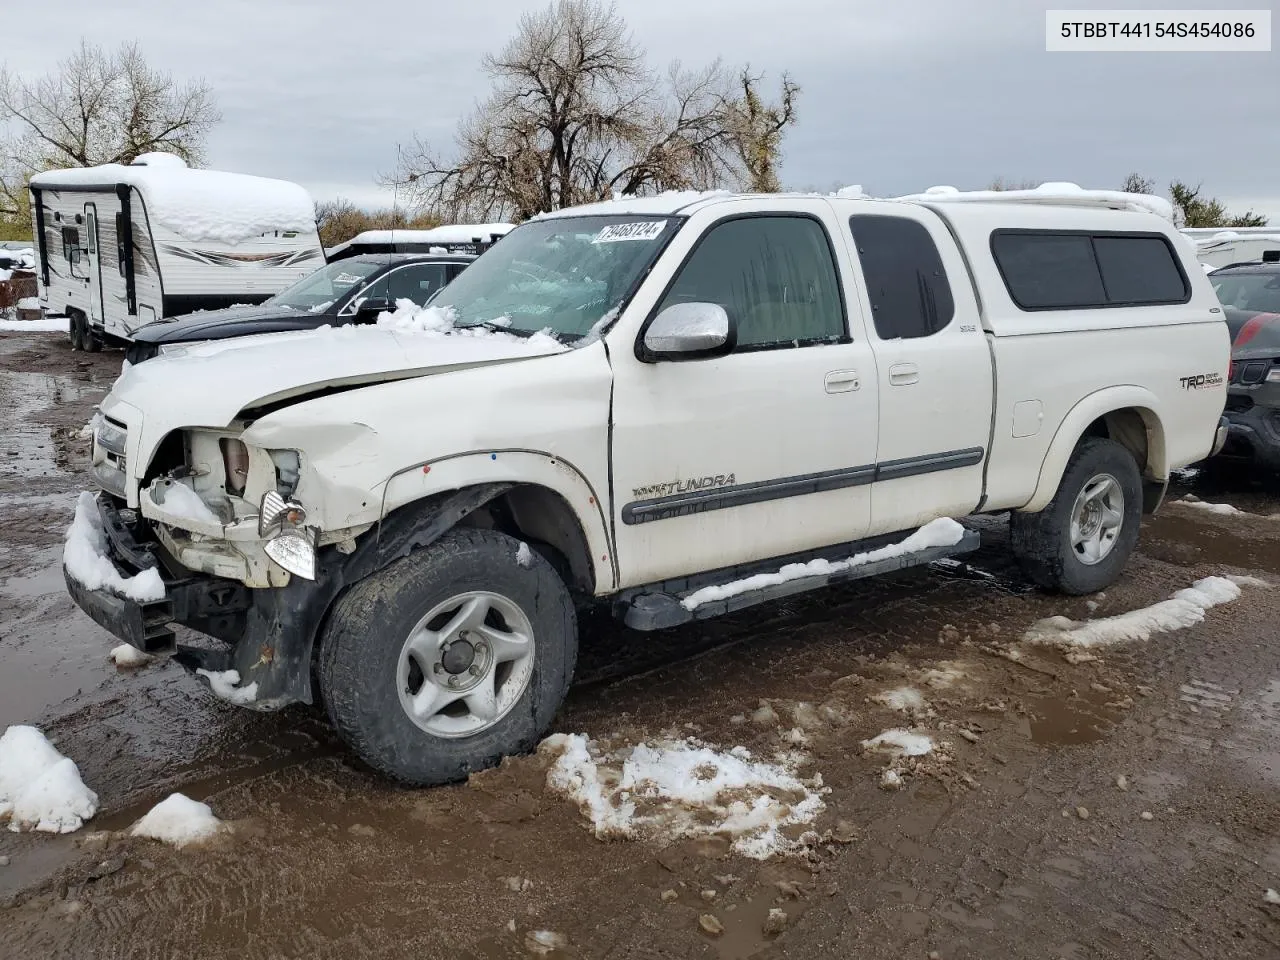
x=1185 y=608
x=1222 y=509
x=226 y=686
x=184 y=503
x=43 y=325
x=441 y=321
x=179 y=820
x=943 y=532
x=901 y=743
x=902 y=698
x=683 y=788
x=201 y=205
x=942 y=676
x=85 y=557
x=127 y=655
x=40 y=789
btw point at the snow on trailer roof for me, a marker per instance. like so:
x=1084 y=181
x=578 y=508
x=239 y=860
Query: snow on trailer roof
x=200 y=205
x=451 y=233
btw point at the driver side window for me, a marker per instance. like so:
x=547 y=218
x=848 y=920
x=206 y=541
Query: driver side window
x=774 y=275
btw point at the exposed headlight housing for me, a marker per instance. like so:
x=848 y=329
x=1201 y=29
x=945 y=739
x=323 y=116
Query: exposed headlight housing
x=288 y=466
x=293 y=546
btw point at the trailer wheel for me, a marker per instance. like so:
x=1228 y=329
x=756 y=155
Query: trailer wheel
x=77 y=332
x=1080 y=542
x=92 y=339
x=449 y=659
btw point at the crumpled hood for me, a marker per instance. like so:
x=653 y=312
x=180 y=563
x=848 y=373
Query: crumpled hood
x=208 y=384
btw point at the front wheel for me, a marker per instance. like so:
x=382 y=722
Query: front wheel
x=1080 y=542
x=449 y=659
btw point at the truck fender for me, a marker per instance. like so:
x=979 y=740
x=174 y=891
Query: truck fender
x=1077 y=420
x=514 y=467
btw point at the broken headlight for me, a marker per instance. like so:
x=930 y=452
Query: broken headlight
x=287 y=468
x=293 y=545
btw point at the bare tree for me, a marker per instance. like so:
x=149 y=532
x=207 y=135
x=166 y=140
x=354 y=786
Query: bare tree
x=1137 y=183
x=97 y=107
x=1002 y=184
x=339 y=220
x=576 y=115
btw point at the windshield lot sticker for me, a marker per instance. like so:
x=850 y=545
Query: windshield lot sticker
x=616 y=232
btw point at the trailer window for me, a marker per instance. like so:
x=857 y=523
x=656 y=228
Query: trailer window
x=71 y=244
x=906 y=281
x=1071 y=270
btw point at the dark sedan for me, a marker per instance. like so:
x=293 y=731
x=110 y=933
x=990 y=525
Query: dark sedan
x=1250 y=297
x=352 y=290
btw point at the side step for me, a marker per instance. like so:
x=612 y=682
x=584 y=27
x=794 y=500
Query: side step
x=658 y=611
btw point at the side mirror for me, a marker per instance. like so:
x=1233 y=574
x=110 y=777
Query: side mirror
x=690 y=331
x=370 y=307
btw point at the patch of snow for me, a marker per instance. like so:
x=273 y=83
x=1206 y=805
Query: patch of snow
x=540 y=943
x=201 y=205
x=28 y=303
x=226 y=685
x=684 y=788
x=942 y=676
x=127 y=655
x=891 y=779
x=903 y=698
x=1057 y=193
x=1222 y=509
x=943 y=532
x=524 y=556
x=183 y=503
x=1271 y=896
x=450 y=233
x=1185 y=608
x=43 y=325
x=178 y=820
x=901 y=743
x=1208 y=267
x=852 y=192
x=597 y=328
x=440 y=322
x=40 y=789
x=85 y=557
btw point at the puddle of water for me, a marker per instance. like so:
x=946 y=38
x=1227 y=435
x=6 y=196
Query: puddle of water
x=1065 y=721
x=28 y=448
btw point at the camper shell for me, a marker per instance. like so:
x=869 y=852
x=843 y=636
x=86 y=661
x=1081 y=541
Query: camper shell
x=121 y=246
x=1217 y=248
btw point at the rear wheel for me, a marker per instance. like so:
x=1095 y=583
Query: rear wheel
x=76 y=326
x=91 y=338
x=1080 y=542
x=449 y=659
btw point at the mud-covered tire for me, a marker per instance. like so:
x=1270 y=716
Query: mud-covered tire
x=364 y=640
x=1043 y=542
x=76 y=326
x=92 y=341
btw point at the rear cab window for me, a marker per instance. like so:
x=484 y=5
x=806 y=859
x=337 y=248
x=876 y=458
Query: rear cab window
x=1076 y=270
x=905 y=278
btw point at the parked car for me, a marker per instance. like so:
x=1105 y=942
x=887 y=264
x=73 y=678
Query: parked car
x=1250 y=296
x=353 y=290
x=672 y=406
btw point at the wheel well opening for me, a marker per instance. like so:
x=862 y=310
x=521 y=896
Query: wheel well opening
x=1137 y=430
x=543 y=519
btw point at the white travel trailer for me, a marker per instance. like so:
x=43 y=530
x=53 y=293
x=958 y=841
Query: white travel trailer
x=121 y=246
x=1217 y=247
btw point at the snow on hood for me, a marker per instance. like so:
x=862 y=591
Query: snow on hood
x=207 y=384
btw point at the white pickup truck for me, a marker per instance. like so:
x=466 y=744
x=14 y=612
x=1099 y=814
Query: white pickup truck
x=676 y=406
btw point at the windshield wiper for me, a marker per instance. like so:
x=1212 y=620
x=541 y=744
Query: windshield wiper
x=494 y=328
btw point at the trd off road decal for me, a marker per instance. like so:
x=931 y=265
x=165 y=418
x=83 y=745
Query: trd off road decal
x=1200 y=381
x=616 y=232
x=683 y=486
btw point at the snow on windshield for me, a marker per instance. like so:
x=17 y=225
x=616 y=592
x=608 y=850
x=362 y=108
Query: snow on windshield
x=561 y=275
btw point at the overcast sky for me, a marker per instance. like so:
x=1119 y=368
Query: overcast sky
x=896 y=97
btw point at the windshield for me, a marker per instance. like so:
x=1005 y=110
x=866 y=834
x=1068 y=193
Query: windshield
x=317 y=292
x=562 y=275
x=1258 y=292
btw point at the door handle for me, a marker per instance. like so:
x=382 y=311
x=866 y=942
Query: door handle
x=842 y=381
x=901 y=374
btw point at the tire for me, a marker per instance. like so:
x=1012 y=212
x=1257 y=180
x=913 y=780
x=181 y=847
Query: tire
x=361 y=666
x=77 y=332
x=1044 y=543
x=92 y=340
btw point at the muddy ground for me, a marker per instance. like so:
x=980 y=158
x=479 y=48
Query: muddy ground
x=1015 y=842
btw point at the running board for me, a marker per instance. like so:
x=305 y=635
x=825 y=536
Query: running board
x=658 y=611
